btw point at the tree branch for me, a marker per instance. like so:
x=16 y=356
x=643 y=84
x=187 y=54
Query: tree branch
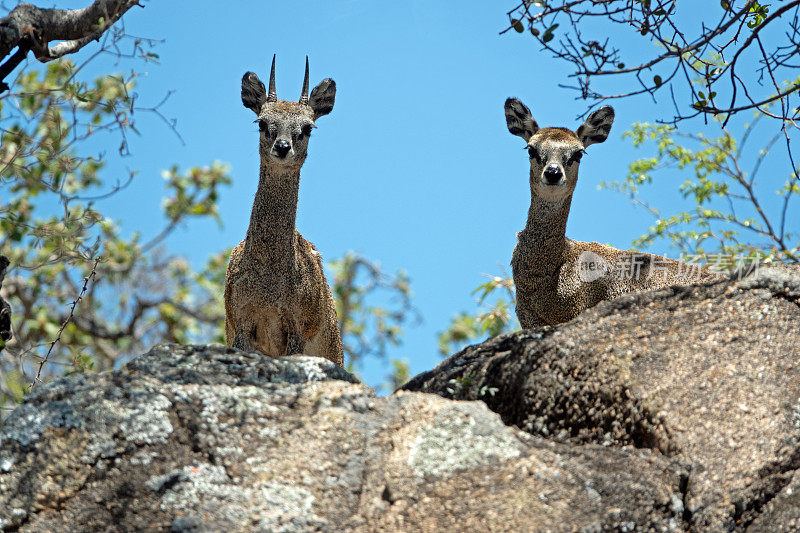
x=74 y=304
x=706 y=54
x=28 y=27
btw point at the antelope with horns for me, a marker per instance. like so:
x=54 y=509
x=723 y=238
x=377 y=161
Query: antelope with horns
x=277 y=300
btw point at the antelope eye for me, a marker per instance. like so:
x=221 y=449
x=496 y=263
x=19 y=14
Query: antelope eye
x=306 y=130
x=262 y=125
x=576 y=157
x=534 y=154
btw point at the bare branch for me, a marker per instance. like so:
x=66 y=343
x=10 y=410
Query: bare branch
x=706 y=57
x=74 y=304
x=31 y=28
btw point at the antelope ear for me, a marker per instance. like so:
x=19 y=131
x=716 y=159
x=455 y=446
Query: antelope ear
x=323 y=97
x=596 y=127
x=519 y=119
x=254 y=94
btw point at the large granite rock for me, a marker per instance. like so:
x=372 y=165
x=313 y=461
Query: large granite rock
x=207 y=438
x=667 y=411
x=706 y=375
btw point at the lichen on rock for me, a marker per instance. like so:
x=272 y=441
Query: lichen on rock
x=205 y=438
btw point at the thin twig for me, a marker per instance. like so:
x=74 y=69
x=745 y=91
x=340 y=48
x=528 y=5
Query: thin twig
x=75 y=303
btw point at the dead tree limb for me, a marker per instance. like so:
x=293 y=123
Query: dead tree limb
x=28 y=28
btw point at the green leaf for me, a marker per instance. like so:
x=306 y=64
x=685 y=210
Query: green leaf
x=548 y=34
x=657 y=80
x=517 y=25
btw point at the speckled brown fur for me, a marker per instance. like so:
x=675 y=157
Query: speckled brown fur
x=550 y=271
x=277 y=300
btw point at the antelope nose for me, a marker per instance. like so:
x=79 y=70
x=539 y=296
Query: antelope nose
x=553 y=174
x=282 y=147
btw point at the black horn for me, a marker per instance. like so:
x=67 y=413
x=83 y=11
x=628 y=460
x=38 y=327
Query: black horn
x=272 y=96
x=304 y=94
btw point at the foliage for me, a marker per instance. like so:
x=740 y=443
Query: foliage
x=372 y=307
x=494 y=316
x=52 y=230
x=728 y=212
x=399 y=376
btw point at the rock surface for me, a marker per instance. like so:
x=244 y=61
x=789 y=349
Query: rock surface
x=708 y=376
x=667 y=411
x=206 y=438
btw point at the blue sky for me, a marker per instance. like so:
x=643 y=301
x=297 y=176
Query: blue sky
x=414 y=167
